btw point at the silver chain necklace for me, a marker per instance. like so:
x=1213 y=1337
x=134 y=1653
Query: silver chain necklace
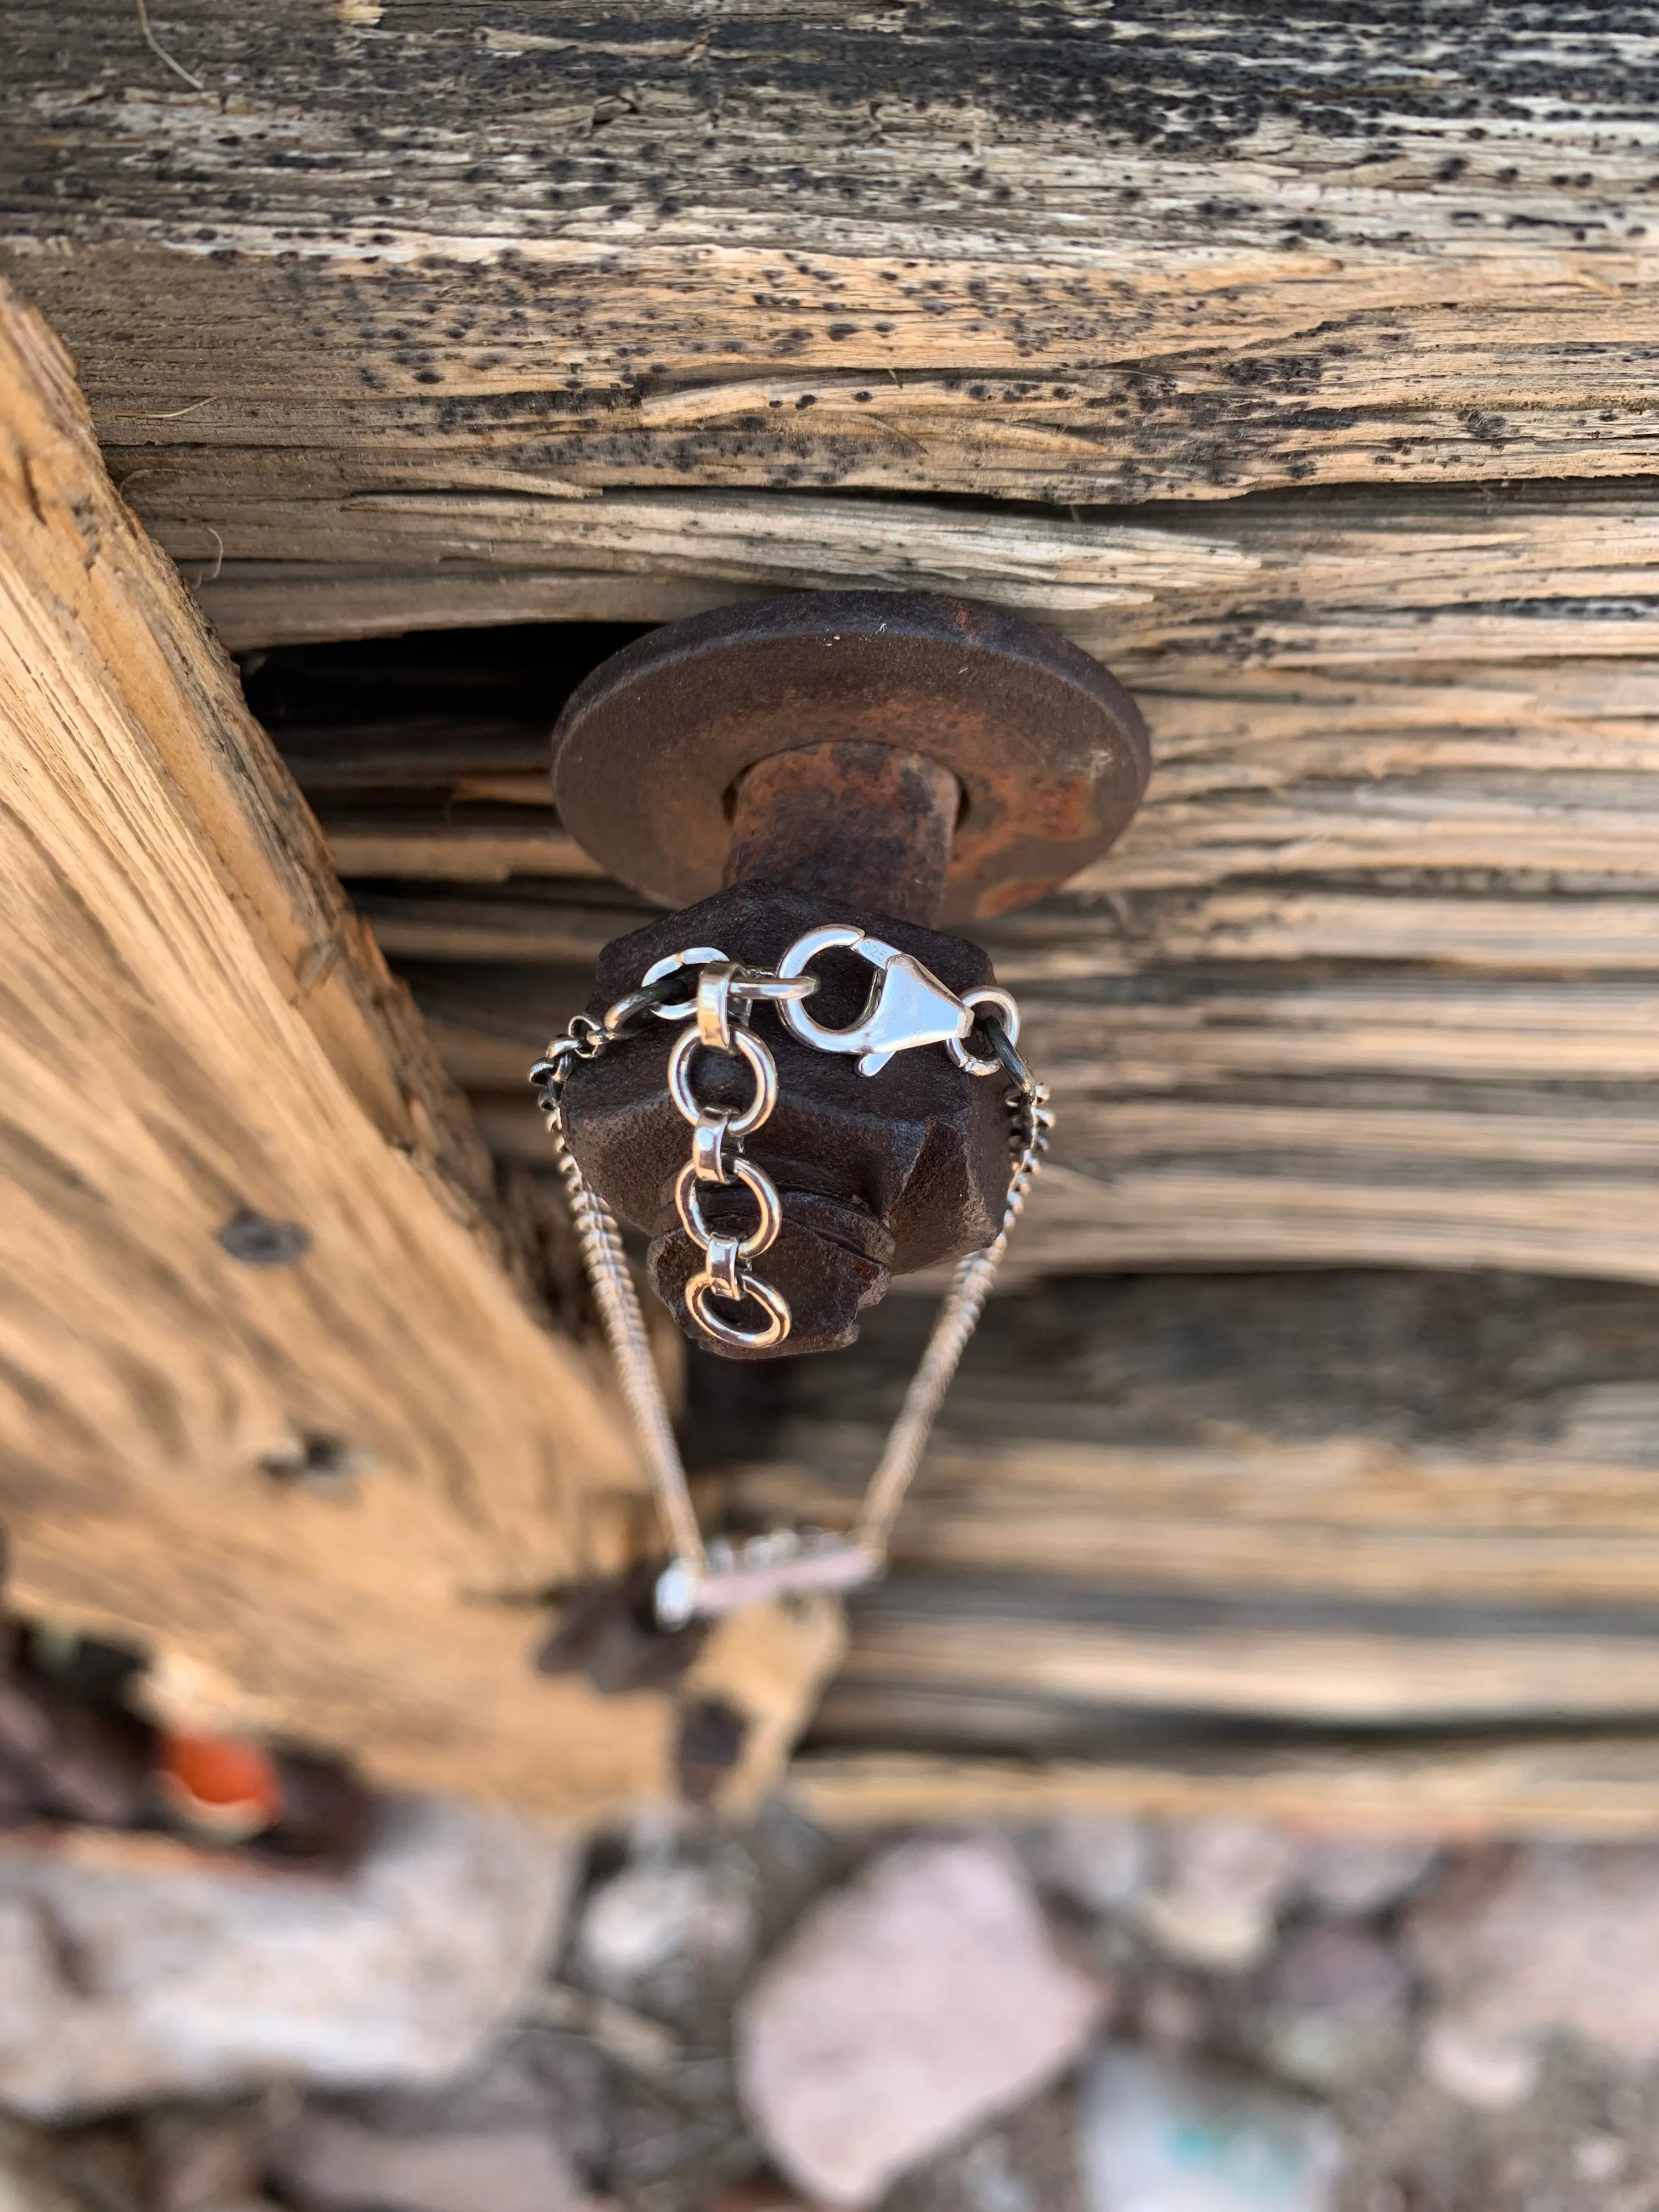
x=910 y=1010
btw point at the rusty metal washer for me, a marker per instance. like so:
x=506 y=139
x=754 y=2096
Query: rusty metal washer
x=1050 y=752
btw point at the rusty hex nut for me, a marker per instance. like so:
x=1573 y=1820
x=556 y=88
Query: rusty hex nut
x=879 y=1175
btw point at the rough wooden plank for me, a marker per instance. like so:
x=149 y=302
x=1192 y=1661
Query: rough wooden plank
x=260 y=602
x=1526 y=573
x=1104 y=251
x=1600 y=1786
x=175 y=1053
x=1354 y=1666
x=1378 y=1436
x=1340 y=1514
x=474 y=845
x=1371 y=976
x=1170 y=1505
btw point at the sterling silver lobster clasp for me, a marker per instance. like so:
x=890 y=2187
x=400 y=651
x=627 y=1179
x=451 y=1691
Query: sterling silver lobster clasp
x=908 y=1007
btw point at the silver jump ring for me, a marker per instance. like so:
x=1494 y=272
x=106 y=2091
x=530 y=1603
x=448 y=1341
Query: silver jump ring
x=772 y=1302
x=832 y=937
x=708 y=1160
x=721 y=1263
x=1007 y=1012
x=715 y=1004
x=762 y=1066
x=697 y=956
x=773 y=986
x=617 y=1017
x=688 y=1203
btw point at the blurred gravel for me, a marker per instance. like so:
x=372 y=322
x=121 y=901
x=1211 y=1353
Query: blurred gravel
x=1097 y=2015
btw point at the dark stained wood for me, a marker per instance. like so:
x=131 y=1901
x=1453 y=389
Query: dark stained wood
x=1083 y=252
x=1383 y=1434
x=1336 y=1548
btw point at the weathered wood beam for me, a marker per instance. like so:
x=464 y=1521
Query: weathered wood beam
x=1371 y=977
x=987 y=1648
x=1350 y=1549
x=1345 y=1499
x=1606 y=1786
x=329 y=1494
x=1125 y=251
x=1374 y=1434
x=1387 y=577
x=454 y=844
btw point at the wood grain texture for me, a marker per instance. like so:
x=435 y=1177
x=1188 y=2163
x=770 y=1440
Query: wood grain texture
x=1346 y=1500
x=1381 y=1435
x=175 y=1053
x=1604 y=1786
x=1065 y=252
x=1369 y=981
x=1389 y=577
x=477 y=314
x=1371 y=977
x=1354 y=1548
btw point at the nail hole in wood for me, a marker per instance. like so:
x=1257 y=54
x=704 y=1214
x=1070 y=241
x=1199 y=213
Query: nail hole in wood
x=326 y=1465
x=258 y=1241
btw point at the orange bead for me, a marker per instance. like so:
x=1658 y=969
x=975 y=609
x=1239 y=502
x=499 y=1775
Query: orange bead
x=218 y=1786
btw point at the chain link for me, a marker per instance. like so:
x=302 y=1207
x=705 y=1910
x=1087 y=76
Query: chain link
x=693 y=1585
x=717 y=1160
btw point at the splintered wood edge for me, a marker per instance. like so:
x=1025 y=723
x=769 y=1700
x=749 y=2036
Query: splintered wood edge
x=1365 y=567
x=175 y=1044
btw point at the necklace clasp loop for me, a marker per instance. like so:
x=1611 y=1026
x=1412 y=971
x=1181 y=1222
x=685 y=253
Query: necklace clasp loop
x=908 y=1008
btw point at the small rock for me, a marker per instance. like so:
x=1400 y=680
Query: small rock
x=146 y=1970
x=651 y=1915
x=1492 y=2070
x=908 y=2008
x=1221 y=1885
x=1155 y=2138
x=991 y=2182
x=760 y=2196
x=27 y=2183
x=1336 y=2005
x=30 y=1970
x=1170 y=2013
x=555 y=2082
x=339 y=2165
x=1599 y=2157
x=1558 y=1938
x=1352 y=1877
x=1095 y=1861
x=204 y=2162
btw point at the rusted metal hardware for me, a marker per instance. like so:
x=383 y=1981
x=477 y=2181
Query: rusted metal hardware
x=654 y=755
x=864 y=824
x=843 y=769
x=827 y=773
x=874 y=1177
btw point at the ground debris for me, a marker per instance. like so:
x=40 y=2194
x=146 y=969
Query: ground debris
x=783 y=2018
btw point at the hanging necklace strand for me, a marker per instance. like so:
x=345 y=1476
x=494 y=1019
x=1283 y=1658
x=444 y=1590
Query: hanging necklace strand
x=711 y=1578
